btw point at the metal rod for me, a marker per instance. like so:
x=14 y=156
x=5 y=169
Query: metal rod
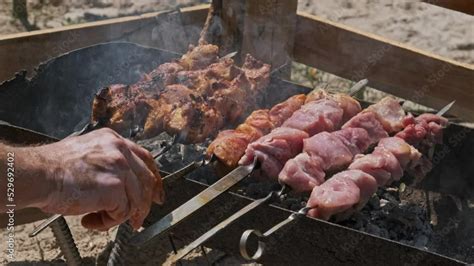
x=262 y=237
x=358 y=87
x=182 y=212
x=219 y=227
x=120 y=254
x=121 y=251
x=66 y=242
x=44 y=224
x=168 y=147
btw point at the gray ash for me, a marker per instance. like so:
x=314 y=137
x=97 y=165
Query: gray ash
x=386 y=215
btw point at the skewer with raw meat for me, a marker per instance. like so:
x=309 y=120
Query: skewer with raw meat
x=321 y=112
x=328 y=152
x=348 y=191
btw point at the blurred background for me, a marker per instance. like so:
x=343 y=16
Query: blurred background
x=428 y=27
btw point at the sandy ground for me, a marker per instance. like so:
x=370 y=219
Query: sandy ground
x=434 y=29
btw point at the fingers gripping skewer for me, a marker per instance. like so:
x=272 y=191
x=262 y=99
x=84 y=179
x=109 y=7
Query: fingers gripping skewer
x=193 y=204
x=244 y=240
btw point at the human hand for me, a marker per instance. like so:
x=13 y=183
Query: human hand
x=102 y=175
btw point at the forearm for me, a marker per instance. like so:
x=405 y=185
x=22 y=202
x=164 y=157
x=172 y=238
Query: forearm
x=25 y=179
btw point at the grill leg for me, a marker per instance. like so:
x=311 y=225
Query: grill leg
x=66 y=242
x=122 y=251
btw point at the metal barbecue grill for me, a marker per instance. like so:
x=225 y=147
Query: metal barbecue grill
x=326 y=239
x=56 y=101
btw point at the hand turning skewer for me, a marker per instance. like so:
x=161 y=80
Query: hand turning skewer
x=357 y=168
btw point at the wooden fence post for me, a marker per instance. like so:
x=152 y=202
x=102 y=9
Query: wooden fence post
x=263 y=28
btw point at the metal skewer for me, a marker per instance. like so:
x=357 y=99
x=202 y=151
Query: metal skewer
x=243 y=244
x=261 y=237
x=167 y=147
x=271 y=197
x=193 y=204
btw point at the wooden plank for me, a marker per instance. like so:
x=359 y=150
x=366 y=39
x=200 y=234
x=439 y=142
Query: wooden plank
x=232 y=15
x=268 y=33
x=390 y=66
x=465 y=6
x=167 y=30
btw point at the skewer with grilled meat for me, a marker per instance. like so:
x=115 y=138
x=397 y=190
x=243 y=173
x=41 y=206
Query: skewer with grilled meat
x=114 y=106
x=230 y=145
x=348 y=191
x=211 y=92
x=120 y=107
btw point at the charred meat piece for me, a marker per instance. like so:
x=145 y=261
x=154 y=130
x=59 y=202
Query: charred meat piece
x=193 y=96
x=257 y=72
x=194 y=122
x=199 y=57
x=228 y=98
x=229 y=146
x=119 y=107
x=164 y=74
x=161 y=108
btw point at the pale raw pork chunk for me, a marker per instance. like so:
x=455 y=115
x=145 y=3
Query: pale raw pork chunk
x=321 y=153
x=343 y=194
x=371 y=123
x=391 y=113
x=336 y=195
x=316 y=116
x=381 y=164
x=274 y=149
x=303 y=172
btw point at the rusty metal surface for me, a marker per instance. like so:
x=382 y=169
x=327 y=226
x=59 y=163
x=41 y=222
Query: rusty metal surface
x=19 y=135
x=58 y=99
